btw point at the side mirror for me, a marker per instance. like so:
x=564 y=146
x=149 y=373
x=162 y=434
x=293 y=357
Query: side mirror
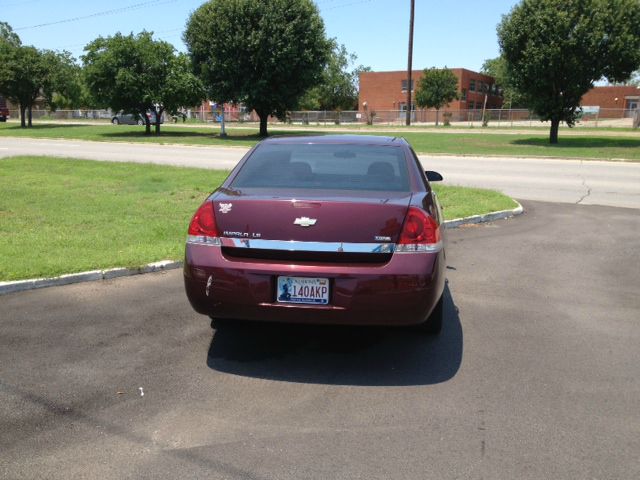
x=433 y=176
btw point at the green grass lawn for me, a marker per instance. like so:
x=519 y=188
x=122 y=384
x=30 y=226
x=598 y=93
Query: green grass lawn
x=534 y=144
x=460 y=202
x=62 y=216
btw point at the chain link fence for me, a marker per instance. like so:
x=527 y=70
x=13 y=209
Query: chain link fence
x=459 y=118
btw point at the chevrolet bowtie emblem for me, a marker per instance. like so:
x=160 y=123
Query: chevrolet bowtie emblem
x=305 y=221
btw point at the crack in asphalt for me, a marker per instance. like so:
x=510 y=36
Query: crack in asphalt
x=584 y=184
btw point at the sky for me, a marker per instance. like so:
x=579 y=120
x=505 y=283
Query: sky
x=460 y=34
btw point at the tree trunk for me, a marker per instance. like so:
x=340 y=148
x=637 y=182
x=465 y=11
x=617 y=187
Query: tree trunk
x=553 y=133
x=30 y=114
x=147 y=123
x=158 y=118
x=437 y=114
x=23 y=118
x=263 y=123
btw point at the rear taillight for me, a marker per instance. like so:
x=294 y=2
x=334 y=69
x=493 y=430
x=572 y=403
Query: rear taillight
x=202 y=228
x=420 y=233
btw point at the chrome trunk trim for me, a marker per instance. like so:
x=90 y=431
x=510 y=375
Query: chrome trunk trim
x=296 y=246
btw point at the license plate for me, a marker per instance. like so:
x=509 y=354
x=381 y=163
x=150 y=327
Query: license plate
x=313 y=291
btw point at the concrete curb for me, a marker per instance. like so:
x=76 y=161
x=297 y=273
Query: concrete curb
x=93 y=275
x=487 y=217
x=21 y=285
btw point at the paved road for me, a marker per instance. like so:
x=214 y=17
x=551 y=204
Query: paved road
x=536 y=374
x=567 y=181
x=180 y=155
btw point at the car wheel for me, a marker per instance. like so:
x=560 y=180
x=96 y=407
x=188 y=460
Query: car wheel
x=115 y=121
x=140 y=122
x=433 y=324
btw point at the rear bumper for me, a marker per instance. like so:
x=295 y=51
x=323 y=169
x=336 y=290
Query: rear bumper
x=402 y=291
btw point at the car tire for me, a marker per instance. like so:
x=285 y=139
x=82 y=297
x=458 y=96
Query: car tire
x=140 y=122
x=217 y=323
x=433 y=324
x=115 y=121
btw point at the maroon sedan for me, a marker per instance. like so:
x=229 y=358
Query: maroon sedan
x=325 y=230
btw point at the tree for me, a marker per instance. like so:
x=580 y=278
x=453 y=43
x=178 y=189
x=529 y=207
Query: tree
x=436 y=89
x=497 y=68
x=20 y=76
x=263 y=53
x=338 y=88
x=137 y=74
x=633 y=80
x=28 y=74
x=7 y=35
x=75 y=93
x=556 y=49
x=62 y=85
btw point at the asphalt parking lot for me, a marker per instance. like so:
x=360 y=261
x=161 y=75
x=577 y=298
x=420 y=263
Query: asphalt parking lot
x=536 y=374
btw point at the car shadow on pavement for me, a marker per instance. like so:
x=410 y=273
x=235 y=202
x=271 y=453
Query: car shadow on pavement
x=339 y=355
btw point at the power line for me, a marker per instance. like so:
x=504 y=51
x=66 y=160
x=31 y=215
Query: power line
x=99 y=14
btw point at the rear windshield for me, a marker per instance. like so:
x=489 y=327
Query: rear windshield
x=322 y=166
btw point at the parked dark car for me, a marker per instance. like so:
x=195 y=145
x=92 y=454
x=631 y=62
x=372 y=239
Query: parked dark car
x=325 y=230
x=131 y=119
x=4 y=111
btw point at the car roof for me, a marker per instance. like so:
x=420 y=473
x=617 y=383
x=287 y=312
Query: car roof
x=333 y=139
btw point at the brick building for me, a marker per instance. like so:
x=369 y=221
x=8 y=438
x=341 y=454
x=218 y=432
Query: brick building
x=613 y=102
x=387 y=91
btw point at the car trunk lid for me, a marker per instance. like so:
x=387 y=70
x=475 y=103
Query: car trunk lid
x=354 y=217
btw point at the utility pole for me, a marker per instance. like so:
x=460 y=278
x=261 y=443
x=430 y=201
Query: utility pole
x=409 y=66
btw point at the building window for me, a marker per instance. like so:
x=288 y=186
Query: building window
x=405 y=83
x=403 y=106
x=472 y=86
x=463 y=97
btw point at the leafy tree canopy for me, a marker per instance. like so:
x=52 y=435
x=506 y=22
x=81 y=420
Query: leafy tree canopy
x=263 y=53
x=8 y=35
x=436 y=89
x=497 y=68
x=136 y=74
x=633 y=80
x=63 y=85
x=338 y=88
x=556 y=49
x=28 y=74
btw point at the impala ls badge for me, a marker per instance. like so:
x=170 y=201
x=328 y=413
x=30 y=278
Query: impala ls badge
x=305 y=221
